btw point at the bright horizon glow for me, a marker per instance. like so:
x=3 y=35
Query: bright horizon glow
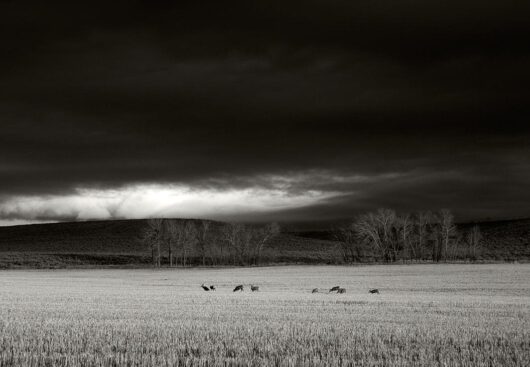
x=155 y=200
x=20 y=222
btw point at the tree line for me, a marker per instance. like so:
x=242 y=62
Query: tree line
x=382 y=235
x=387 y=236
x=203 y=242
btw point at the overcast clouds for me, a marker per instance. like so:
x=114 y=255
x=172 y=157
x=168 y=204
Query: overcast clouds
x=352 y=105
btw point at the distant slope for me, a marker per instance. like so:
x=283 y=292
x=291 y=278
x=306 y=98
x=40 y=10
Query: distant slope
x=507 y=240
x=101 y=237
x=119 y=242
x=103 y=243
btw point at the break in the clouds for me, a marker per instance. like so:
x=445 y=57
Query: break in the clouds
x=291 y=110
x=267 y=197
x=144 y=201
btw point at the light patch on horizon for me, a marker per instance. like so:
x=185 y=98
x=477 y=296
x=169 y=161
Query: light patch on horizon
x=156 y=200
x=20 y=222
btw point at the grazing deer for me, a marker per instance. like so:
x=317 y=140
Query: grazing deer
x=239 y=288
x=254 y=288
x=374 y=291
x=205 y=287
x=212 y=287
x=315 y=290
x=335 y=288
x=341 y=290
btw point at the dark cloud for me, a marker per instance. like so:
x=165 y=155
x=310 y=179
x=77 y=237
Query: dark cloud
x=221 y=94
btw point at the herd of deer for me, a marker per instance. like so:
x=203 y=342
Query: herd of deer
x=255 y=288
x=239 y=288
x=338 y=289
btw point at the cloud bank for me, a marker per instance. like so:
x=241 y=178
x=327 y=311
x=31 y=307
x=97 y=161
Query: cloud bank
x=427 y=100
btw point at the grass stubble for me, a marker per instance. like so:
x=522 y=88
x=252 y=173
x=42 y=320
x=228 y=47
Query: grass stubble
x=426 y=315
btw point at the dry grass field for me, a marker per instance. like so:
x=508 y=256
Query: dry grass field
x=426 y=315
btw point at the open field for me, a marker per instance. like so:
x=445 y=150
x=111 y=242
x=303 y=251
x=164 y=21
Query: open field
x=426 y=315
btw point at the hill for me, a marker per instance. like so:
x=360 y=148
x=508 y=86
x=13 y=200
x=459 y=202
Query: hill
x=118 y=243
x=507 y=240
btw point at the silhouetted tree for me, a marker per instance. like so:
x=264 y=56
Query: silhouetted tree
x=203 y=232
x=351 y=247
x=261 y=236
x=404 y=227
x=474 y=242
x=175 y=237
x=154 y=236
x=378 y=230
x=423 y=226
x=231 y=234
x=189 y=241
x=447 y=229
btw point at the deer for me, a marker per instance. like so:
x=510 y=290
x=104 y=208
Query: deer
x=335 y=288
x=205 y=287
x=374 y=291
x=238 y=288
x=254 y=288
x=315 y=290
x=212 y=288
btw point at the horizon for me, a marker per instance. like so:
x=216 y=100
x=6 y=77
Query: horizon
x=307 y=225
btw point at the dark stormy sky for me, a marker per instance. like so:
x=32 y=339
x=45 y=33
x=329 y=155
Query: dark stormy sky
x=260 y=110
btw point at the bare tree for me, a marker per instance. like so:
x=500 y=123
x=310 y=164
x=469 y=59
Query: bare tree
x=189 y=241
x=168 y=240
x=261 y=237
x=474 y=241
x=435 y=240
x=232 y=236
x=147 y=238
x=352 y=249
x=387 y=219
x=154 y=235
x=379 y=230
x=442 y=232
x=215 y=246
x=174 y=238
x=404 y=227
x=218 y=243
x=448 y=230
x=246 y=241
x=423 y=222
x=203 y=231
x=367 y=230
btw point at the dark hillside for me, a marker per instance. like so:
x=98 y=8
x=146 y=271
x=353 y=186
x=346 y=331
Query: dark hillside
x=118 y=243
x=97 y=237
x=507 y=240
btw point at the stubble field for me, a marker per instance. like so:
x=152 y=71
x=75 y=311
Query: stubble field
x=426 y=315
